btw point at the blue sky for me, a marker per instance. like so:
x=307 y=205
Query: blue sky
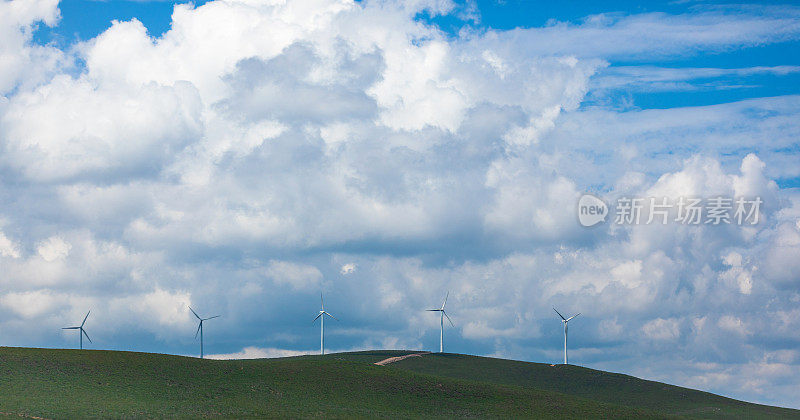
x=242 y=157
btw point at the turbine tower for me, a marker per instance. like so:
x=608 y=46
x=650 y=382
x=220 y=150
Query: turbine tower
x=442 y=315
x=82 y=332
x=565 y=321
x=321 y=317
x=200 y=329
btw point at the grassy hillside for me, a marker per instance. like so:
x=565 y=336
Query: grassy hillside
x=591 y=384
x=91 y=383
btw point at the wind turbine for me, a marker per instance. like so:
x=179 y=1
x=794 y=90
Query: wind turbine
x=200 y=329
x=321 y=317
x=442 y=315
x=565 y=321
x=82 y=332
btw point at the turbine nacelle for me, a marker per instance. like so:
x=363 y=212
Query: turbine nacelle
x=565 y=319
x=322 y=311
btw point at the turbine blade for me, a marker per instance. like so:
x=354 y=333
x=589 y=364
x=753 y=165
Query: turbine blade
x=445 y=299
x=448 y=318
x=198 y=330
x=330 y=315
x=195 y=313
x=559 y=314
x=321 y=301
x=433 y=310
x=573 y=316
x=315 y=318
x=215 y=316
x=84 y=318
x=70 y=328
x=87 y=335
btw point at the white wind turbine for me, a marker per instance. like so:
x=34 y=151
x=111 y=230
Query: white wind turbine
x=200 y=329
x=565 y=321
x=321 y=317
x=442 y=315
x=81 y=331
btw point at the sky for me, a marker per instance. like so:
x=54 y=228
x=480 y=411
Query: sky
x=244 y=156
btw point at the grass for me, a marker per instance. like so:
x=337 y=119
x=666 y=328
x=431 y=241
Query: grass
x=109 y=384
x=592 y=384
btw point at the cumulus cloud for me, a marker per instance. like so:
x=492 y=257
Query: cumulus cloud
x=297 y=276
x=733 y=324
x=31 y=304
x=113 y=131
x=7 y=247
x=24 y=64
x=780 y=260
x=348 y=268
x=161 y=307
x=53 y=248
x=260 y=353
x=737 y=275
x=257 y=153
x=662 y=329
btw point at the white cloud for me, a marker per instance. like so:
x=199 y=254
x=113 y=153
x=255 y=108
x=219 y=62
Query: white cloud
x=53 y=248
x=628 y=273
x=31 y=304
x=656 y=34
x=662 y=329
x=492 y=324
x=348 y=268
x=24 y=64
x=251 y=352
x=610 y=329
x=162 y=307
x=47 y=144
x=732 y=324
x=779 y=260
x=297 y=276
x=658 y=79
x=7 y=247
x=737 y=275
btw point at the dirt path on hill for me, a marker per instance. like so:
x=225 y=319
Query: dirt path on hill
x=385 y=362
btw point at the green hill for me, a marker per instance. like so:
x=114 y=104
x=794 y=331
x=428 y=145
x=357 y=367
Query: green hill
x=92 y=383
x=586 y=383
